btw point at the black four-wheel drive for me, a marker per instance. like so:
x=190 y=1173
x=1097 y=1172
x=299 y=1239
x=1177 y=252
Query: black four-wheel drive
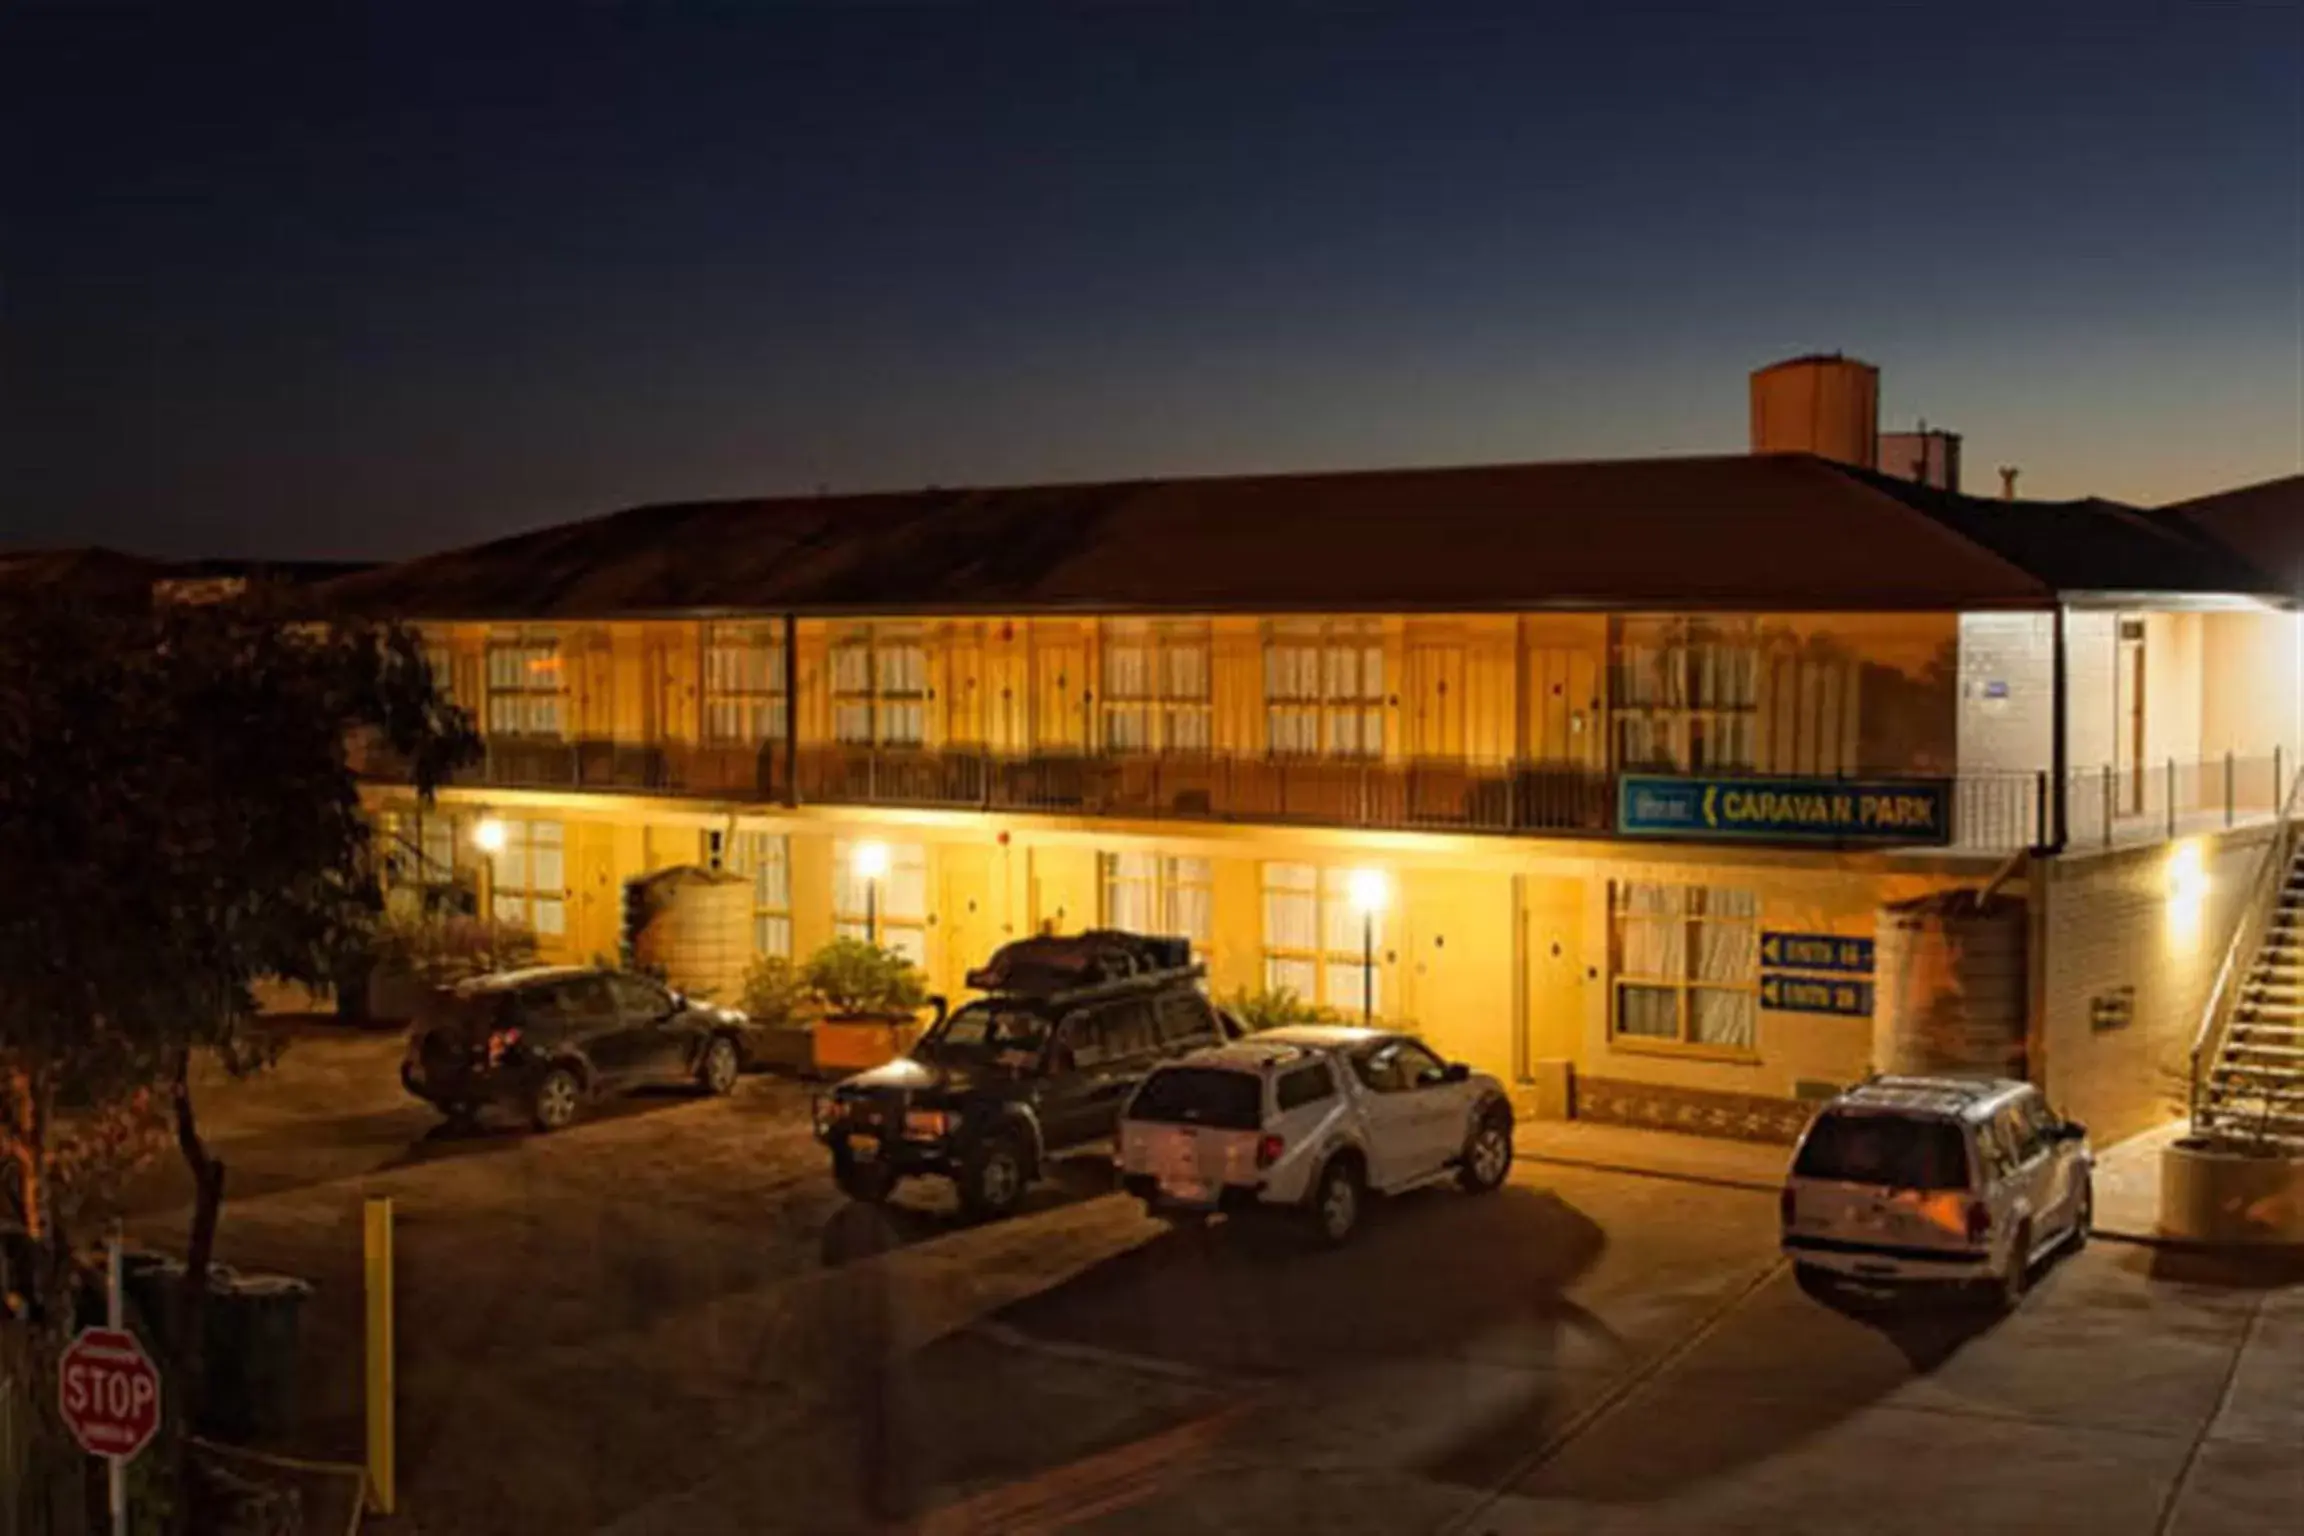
x=547 y=1040
x=1042 y=1063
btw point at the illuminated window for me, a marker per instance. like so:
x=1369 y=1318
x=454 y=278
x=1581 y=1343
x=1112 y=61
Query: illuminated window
x=743 y=683
x=526 y=686
x=1684 y=694
x=440 y=661
x=880 y=687
x=1148 y=893
x=1324 y=690
x=528 y=881
x=1155 y=687
x=902 y=899
x=1685 y=963
x=767 y=858
x=1315 y=936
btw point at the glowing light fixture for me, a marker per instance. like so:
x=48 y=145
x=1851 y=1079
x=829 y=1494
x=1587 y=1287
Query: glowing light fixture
x=1369 y=890
x=488 y=835
x=2187 y=893
x=870 y=861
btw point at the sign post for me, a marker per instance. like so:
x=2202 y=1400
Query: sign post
x=110 y=1396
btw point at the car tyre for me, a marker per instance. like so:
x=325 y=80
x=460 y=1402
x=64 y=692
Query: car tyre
x=1336 y=1202
x=557 y=1099
x=1487 y=1155
x=993 y=1178
x=868 y=1183
x=2017 y=1278
x=716 y=1074
x=2084 y=1218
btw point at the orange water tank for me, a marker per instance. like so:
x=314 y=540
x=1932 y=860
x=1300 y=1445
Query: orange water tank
x=1828 y=406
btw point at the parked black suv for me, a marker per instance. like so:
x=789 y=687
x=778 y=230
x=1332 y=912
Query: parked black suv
x=1042 y=1063
x=546 y=1039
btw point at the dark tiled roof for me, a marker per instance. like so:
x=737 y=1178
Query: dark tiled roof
x=2265 y=522
x=1754 y=532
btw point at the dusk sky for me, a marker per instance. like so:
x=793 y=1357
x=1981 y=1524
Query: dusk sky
x=375 y=282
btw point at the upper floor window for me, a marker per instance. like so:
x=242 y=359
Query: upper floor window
x=1324 y=690
x=880 y=686
x=743 y=683
x=1155 y=687
x=527 y=686
x=1685 y=694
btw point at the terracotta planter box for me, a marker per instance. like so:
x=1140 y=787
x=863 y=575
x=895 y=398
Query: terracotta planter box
x=2212 y=1195
x=858 y=1043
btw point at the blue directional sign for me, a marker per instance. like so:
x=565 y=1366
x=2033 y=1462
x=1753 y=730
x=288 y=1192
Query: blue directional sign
x=1786 y=809
x=1816 y=994
x=1816 y=952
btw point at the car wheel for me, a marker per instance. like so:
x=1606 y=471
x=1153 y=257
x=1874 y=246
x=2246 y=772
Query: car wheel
x=1487 y=1156
x=558 y=1097
x=867 y=1183
x=993 y=1178
x=2017 y=1278
x=1336 y=1202
x=2084 y=1217
x=720 y=1068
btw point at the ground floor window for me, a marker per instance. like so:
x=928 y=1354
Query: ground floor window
x=1317 y=937
x=1151 y=893
x=529 y=878
x=898 y=898
x=1684 y=962
x=766 y=859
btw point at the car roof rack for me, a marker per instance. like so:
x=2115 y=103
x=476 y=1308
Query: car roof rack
x=1051 y=966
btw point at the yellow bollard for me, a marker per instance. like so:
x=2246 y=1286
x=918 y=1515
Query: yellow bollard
x=378 y=1248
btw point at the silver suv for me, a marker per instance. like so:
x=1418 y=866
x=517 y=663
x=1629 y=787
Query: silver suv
x=1936 y=1178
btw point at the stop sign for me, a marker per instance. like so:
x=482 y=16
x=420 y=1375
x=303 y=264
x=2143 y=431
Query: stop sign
x=110 y=1392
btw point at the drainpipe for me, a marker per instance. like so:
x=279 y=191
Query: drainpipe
x=2059 y=739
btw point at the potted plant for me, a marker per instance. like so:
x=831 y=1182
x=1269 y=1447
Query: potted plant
x=872 y=999
x=782 y=1010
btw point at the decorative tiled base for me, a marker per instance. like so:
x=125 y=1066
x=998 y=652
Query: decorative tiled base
x=1690 y=1111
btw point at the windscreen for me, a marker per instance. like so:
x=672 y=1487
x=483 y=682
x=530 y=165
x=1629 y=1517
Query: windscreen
x=987 y=1029
x=1231 y=1101
x=1887 y=1150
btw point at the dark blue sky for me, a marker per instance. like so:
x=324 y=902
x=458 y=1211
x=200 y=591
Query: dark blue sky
x=327 y=281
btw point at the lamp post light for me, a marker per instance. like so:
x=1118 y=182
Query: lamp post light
x=871 y=864
x=1370 y=893
x=488 y=837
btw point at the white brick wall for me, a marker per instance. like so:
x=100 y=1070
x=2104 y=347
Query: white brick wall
x=2006 y=691
x=2112 y=920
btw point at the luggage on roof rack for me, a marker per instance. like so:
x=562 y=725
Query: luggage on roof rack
x=1066 y=963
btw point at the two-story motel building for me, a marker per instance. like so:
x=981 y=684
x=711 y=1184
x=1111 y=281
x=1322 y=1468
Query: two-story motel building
x=1594 y=754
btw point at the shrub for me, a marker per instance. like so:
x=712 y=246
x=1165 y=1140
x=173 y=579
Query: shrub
x=1274 y=1007
x=853 y=976
x=774 y=990
x=441 y=950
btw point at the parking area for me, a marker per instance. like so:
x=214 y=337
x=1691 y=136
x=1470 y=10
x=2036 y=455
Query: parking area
x=666 y=1320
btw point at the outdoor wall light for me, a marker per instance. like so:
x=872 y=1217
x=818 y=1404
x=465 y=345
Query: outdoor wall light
x=488 y=835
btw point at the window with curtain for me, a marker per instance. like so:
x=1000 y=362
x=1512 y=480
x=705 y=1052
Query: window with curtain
x=1324 y=690
x=743 y=683
x=440 y=662
x=527 y=686
x=766 y=859
x=880 y=686
x=1685 y=963
x=1151 y=893
x=1685 y=694
x=902 y=903
x=1316 y=939
x=1155 y=687
x=529 y=879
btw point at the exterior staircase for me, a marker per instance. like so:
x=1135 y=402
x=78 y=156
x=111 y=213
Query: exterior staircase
x=2253 y=1085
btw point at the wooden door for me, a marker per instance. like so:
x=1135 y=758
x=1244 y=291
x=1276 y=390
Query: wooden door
x=966 y=915
x=1435 y=702
x=1060 y=688
x=1564 y=710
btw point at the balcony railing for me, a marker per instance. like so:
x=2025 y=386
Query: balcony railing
x=1990 y=811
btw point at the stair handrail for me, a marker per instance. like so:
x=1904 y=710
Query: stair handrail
x=2248 y=926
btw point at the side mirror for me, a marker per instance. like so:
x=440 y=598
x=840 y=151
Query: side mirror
x=937 y=1001
x=1456 y=1072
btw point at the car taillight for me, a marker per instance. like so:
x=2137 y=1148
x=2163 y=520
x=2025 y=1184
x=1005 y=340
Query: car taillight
x=1979 y=1221
x=500 y=1044
x=1787 y=1205
x=1269 y=1149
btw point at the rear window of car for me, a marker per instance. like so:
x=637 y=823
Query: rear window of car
x=1894 y=1151
x=1231 y=1101
x=1308 y=1084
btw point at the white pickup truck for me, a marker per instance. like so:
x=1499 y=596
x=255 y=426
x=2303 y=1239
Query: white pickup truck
x=1310 y=1119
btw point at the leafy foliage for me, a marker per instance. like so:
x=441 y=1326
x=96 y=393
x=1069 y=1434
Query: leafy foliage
x=774 y=991
x=853 y=976
x=441 y=949
x=1276 y=1007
